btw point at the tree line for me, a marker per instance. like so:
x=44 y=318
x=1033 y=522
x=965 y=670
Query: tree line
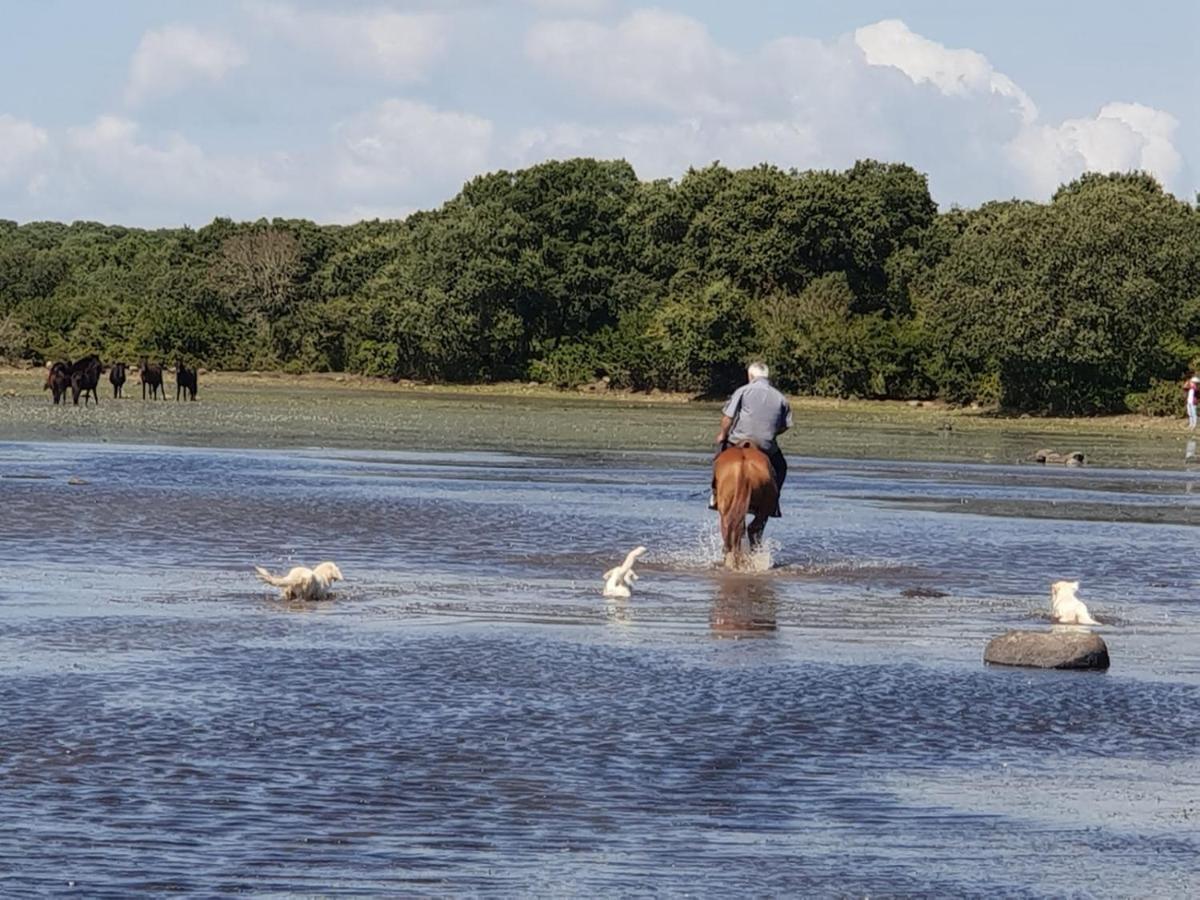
x=851 y=284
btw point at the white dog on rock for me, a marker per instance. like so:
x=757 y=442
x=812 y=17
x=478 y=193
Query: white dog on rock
x=1065 y=607
x=302 y=583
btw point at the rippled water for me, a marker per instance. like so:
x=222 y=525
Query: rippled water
x=471 y=716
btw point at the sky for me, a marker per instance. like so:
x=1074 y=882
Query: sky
x=170 y=112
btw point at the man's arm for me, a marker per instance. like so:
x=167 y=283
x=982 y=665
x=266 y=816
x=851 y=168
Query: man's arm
x=729 y=413
x=723 y=434
x=785 y=421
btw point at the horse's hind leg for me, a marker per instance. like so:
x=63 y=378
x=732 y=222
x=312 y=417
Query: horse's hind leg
x=755 y=531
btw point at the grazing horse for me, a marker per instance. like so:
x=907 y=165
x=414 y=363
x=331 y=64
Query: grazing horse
x=116 y=377
x=744 y=485
x=185 y=381
x=152 y=377
x=85 y=375
x=58 y=379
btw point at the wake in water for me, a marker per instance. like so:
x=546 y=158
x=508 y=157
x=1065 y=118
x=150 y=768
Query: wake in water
x=703 y=551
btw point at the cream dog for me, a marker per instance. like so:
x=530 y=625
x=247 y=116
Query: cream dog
x=303 y=583
x=1065 y=607
x=619 y=580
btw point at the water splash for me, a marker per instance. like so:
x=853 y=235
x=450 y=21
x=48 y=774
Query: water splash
x=705 y=550
x=762 y=557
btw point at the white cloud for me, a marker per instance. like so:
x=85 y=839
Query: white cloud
x=23 y=147
x=650 y=58
x=666 y=150
x=402 y=143
x=174 y=57
x=398 y=46
x=364 y=212
x=653 y=87
x=110 y=158
x=1121 y=137
x=883 y=92
x=953 y=72
x=571 y=7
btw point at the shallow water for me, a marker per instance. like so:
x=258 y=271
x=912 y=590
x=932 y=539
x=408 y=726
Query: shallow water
x=471 y=716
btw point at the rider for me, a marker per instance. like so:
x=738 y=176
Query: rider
x=756 y=412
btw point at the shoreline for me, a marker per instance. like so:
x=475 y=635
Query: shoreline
x=16 y=382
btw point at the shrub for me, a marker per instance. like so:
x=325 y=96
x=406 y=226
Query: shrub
x=568 y=365
x=1162 y=398
x=374 y=358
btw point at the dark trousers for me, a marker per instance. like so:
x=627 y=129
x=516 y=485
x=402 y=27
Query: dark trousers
x=778 y=466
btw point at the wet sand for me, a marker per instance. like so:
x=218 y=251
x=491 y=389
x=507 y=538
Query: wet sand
x=244 y=410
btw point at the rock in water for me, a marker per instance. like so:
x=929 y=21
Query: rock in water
x=1048 y=650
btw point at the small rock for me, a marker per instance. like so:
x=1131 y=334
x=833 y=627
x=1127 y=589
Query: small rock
x=923 y=593
x=1050 y=456
x=1060 y=649
x=914 y=403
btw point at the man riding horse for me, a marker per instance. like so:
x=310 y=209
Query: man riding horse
x=757 y=413
x=749 y=469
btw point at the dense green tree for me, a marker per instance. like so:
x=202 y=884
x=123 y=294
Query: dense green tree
x=1066 y=306
x=849 y=283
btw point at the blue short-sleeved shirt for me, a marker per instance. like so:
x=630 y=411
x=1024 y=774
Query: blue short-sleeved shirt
x=759 y=413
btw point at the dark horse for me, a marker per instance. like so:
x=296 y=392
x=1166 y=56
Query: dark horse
x=85 y=375
x=58 y=379
x=151 y=375
x=185 y=381
x=116 y=377
x=744 y=486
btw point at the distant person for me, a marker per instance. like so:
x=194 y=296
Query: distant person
x=757 y=413
x=1192 y=386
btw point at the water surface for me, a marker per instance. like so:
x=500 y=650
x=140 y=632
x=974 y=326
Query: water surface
x=471 y=716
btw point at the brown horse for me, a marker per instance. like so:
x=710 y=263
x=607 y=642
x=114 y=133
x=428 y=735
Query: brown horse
x=744 y=486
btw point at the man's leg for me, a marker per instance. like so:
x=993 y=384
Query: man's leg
x=779 y=470
x=712 y=497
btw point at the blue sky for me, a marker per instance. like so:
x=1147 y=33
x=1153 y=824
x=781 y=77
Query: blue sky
x=163 y=112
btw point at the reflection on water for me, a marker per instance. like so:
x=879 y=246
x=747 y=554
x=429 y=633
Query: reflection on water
x=469 y=715
x=744 y=605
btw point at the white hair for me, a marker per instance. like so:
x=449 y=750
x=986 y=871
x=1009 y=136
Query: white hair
x=758 y=370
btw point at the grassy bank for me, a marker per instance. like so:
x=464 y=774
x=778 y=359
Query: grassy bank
x=239 y=409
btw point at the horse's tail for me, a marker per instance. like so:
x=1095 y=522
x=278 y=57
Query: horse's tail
x=734 y=523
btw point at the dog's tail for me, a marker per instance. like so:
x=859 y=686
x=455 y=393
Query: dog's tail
x=267 y=577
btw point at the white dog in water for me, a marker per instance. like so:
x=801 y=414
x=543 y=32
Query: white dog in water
x=1065 y=607
x=302 y=583
x=619 y=580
